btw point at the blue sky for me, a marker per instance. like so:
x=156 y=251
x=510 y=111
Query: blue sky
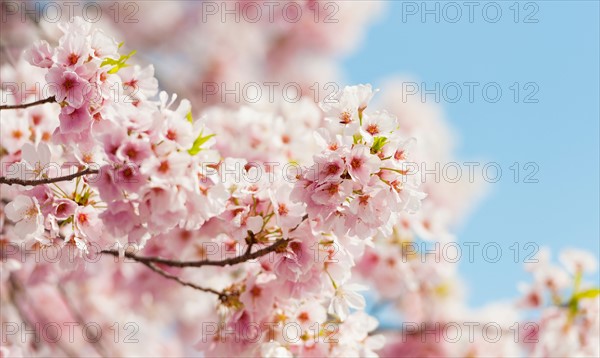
x=557 y=57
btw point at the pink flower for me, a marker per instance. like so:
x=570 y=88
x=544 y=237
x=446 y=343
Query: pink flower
x=119 y=218
x=378 y=124
x=288 y=213
x=64 y=208
x=141 y=83
x=369 y=213
x=299 y=257
x=259 y=295
x=179 y=130
x=169 y=168
x=107 y=183
x=25 y=212
x=87 y=222
x=161 y=208
x=35 y=163
x=66 y=85
x=74 y=120
x=129 y=177
x=103 y=45
x=349 y=104
x=361 y=164
x=332 y=193
x=38 y=159
x=40 y=55
x=329 y=166
x=73 y=51
x=15 y=131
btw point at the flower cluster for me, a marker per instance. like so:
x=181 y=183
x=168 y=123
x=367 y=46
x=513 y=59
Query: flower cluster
x=360 y=178
x=126 y=165
x=570 y=306
x=146 y=153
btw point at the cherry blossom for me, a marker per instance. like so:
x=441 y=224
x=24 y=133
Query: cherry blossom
x=26 y=213
x=346 y=297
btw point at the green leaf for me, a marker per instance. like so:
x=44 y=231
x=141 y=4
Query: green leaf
x=197 y=146
x=117 y=64
x=189 y=117
x=591 y=293
x=378 y=143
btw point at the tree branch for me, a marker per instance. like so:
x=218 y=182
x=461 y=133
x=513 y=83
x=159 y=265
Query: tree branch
x=13 y=181
x=31 y=104
x=277 y=245
x=153 y=267
x=248 y=255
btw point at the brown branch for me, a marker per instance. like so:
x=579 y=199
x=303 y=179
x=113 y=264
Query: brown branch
x=247 y=256
x=13 y=181
x=153 y=267
x=277 y=245
x=31 y=104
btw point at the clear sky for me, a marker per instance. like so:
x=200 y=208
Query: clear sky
x=555 y=60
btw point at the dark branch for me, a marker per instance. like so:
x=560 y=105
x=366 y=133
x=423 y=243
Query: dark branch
x=247 y=256
x=31 y=104
x=13 y=181
x=153 y=267
x=277 y=245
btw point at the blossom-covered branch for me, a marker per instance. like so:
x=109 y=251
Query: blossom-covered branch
x=277 y=245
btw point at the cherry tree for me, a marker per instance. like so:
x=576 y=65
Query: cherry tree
x=137 y=222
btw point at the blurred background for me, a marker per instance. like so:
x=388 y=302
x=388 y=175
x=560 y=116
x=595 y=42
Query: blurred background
x=559 y=55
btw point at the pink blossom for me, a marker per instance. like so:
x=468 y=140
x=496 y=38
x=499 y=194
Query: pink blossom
x=66 y=85
x=64 y=208
x=73 y=51
x=120 y=218
x=74 y=120
x=25 y=212
x=346 y=297
x=289 y=214
x=40 y=55
x=87 y=222
x=361 y=164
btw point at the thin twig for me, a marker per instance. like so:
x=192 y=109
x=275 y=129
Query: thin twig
x=30 y=104
x=33 y=182
x=153 y=267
